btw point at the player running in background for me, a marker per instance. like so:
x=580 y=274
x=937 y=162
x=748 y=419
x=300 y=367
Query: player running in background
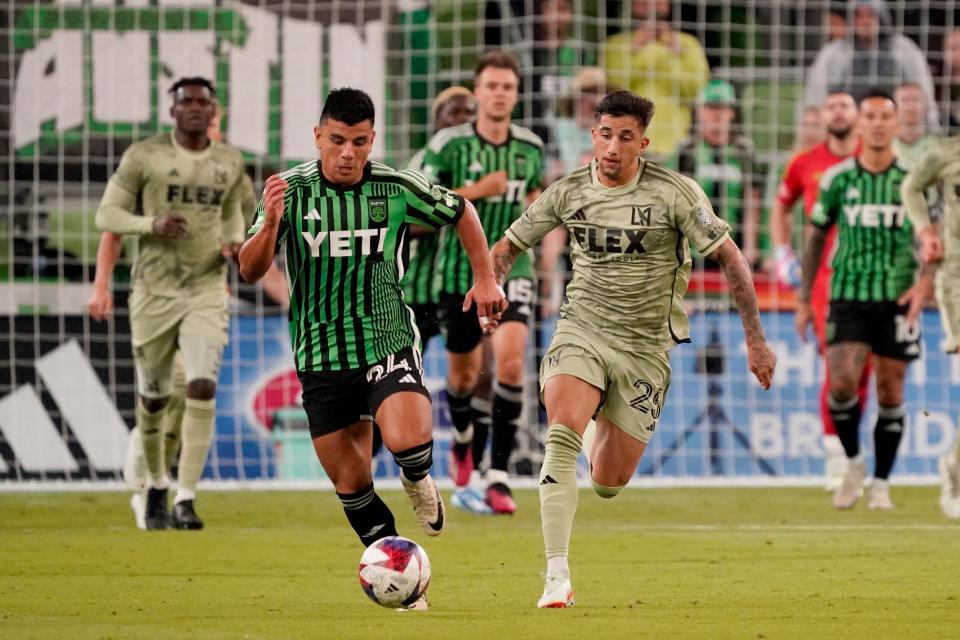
x=874 y=299
x=802 y=179
x=630 y=223
x=344 y=222
x=100 y=307
x=187 y=190
x=940 y=164
x=498 y=165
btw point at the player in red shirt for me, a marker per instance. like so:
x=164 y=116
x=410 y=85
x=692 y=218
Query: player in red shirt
x=802 y=178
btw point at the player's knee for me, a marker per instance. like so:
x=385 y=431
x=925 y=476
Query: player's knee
x=843 y=388
x=510 y=371
x=605 y=491
x=463 y=380
x=201 y=389
x=889 y=394
x=153 y=405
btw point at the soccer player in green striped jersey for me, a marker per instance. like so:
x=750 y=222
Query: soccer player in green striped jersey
x=631 y=224
x=875 y=296
x=499 y=166
x=344 y=222
x=940 y=164
x=453 y=106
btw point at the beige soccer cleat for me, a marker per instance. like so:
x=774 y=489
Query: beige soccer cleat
x=557 y=592
x=880 y=496
x=834 y=463
x=950 y=490
x=427 y=503
x=852 y=486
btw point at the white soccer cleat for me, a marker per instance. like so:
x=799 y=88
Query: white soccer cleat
x=557 y=592
x=420 y=604
x=852 y=486
x=834 y=463
x=138 y=502
x=950 y=491
x=427 y=503
x=880 y=496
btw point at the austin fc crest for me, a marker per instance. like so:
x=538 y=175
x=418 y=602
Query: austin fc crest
x=378 y=209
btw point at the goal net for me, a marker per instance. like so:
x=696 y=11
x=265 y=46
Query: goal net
x=81 y=80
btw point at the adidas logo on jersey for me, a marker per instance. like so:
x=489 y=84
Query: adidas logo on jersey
x=579 y=215
x=344 y=244
x=475 y=167
x=173 y=173
x=409 y=379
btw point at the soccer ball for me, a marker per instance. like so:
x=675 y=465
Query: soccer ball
x=394 y=571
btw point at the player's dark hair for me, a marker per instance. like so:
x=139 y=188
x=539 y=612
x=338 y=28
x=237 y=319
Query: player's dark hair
x=497 y=60
x=193 y=81
x=875 y=92
x=625 y=103
x=347 y=105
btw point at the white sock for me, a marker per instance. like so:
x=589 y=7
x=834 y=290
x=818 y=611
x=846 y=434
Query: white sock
x=184 y=494
x=163 y=482
x=496 y=475
x=558 y=564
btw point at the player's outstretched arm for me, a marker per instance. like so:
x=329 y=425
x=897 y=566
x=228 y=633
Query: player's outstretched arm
x=256 y=254
x=914 y=194
x=100 y=304
x=760 y=357
x=488 y=295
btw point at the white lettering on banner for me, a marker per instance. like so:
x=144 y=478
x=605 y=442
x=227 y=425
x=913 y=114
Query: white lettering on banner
x=302 y=63
x=923 y=428
x=248 y=116
x=357 y=59
x=766 y=435
x=804 y=432
x=874 y=215
x=183 y=54
x=121 y=78
x=59 y=95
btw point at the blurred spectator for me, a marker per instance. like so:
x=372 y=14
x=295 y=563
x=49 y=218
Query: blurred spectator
x=570 y=129
x=835 y=22
x=557 y=57
x=663 y=65
x=912 y=140
x=724 y=165
x=951 y=79
x=875 y=55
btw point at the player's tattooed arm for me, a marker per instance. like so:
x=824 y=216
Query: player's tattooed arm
x=503 y=254
x=812 y=253
x=760 y=357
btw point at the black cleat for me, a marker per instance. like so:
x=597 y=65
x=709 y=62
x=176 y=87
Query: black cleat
x=157 y=516
x=184 y=517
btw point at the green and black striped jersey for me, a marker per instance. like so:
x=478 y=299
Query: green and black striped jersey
x=418 y=280
x=459 y=156
x=344 y=254
x=874 y=258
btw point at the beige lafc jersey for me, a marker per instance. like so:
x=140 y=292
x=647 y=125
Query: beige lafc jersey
x=157 y=177
x=940 y=164
x=630 y=251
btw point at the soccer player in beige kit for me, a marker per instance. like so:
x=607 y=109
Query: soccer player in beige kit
x=631 y=223
x=187 y=190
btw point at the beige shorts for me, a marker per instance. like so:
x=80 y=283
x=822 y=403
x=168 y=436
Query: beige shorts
x=196 y=325
x=634 y=385
x=948 y=299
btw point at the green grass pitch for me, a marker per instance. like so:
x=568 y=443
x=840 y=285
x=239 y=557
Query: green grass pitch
x=653 y=563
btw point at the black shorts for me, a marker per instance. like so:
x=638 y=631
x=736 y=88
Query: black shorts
x=462 y=331
x=335 y=400
x=428 y=324
x=882 y=325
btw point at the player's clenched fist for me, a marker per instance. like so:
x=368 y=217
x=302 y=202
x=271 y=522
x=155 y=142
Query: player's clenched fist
x=273 y=195
x=762 y=362
x=491 y=302
x=170 y=226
